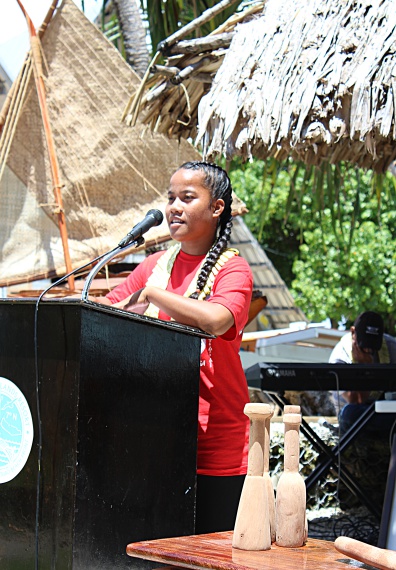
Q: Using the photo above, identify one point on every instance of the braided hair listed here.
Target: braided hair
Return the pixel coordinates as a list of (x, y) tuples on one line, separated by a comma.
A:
[(219, 185)]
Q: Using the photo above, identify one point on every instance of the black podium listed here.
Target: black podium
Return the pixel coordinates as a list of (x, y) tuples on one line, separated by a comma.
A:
[(114, 402)]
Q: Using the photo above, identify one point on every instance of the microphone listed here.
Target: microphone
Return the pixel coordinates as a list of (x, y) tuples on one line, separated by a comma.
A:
[(152, 218)]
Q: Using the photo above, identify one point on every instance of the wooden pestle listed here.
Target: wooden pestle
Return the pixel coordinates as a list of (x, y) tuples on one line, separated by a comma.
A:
[(267, 479), (378, 557), (252, 526), (296, 409), (290, 515), (291, 409)]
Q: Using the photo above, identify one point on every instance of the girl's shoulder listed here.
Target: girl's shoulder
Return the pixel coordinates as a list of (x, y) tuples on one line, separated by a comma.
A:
[(236, 263), (235, 270)]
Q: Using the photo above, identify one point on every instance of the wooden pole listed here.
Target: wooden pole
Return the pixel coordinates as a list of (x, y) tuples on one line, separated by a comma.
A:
[(40, 86), (382, 558)]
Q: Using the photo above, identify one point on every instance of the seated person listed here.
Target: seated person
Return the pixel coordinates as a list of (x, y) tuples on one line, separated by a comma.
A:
[(366, 343)]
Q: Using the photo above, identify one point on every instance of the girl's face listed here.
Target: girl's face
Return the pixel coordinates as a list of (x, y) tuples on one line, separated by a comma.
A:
[(191, 213)]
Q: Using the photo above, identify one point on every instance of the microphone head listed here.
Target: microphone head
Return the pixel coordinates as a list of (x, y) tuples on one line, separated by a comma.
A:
[(157, 215)]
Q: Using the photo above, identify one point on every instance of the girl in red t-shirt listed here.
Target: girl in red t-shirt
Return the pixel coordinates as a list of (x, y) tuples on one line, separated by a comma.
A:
[(201, 283)]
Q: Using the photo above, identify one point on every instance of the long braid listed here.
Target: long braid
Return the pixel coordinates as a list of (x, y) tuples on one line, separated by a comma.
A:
[(217, 182)]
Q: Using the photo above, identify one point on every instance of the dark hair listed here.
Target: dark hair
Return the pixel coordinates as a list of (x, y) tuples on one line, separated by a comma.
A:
[(216, 180)]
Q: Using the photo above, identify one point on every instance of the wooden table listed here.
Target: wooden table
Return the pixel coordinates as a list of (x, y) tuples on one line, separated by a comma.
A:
[(214, 551)]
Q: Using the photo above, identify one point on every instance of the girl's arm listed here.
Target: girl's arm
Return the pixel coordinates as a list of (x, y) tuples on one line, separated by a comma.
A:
[(212, 318)]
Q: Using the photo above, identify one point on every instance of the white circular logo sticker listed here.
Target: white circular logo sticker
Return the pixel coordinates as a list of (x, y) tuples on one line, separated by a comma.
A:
[(16, 430)]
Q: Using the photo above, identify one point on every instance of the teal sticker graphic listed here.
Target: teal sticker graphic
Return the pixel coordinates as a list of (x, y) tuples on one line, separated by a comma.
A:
[(16, 430)]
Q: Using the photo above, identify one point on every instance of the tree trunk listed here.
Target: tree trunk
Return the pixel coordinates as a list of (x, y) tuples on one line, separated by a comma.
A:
[(134, 35)]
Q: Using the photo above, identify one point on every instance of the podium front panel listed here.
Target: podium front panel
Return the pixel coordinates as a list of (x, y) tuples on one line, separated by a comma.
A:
[(114, 404)]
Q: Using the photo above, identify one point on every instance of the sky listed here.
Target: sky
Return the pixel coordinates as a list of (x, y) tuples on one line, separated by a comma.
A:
[(14, 37)]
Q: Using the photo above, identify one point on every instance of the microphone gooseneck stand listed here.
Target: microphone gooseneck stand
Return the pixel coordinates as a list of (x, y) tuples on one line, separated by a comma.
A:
[(106, 259)]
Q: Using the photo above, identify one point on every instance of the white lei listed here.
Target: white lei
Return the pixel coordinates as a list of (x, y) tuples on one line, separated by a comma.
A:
[(162, 271)]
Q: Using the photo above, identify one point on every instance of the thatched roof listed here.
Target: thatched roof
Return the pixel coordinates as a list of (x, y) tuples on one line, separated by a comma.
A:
[(310, 79)]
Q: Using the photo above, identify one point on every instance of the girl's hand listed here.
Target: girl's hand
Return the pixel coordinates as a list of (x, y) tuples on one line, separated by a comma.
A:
[(137, 303)]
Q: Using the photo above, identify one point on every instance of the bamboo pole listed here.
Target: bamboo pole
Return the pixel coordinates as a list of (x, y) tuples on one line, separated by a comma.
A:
[(197, 46), (56, 183), (47, 18), (6, 105), (14, 106)]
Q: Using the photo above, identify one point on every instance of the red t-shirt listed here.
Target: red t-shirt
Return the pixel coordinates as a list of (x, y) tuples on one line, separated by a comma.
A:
[(223, 432)]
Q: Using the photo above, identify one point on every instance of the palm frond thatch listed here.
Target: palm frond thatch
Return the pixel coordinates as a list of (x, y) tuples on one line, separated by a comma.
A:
[(314, 80), (172, 94)]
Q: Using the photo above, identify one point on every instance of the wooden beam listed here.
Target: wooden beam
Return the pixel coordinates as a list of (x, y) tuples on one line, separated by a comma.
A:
[(200, 45), (55, 174)]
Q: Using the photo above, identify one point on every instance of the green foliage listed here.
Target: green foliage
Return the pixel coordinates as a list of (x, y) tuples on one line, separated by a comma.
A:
[(111, 29), (330, 232), (334, 282), (276, 217)]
